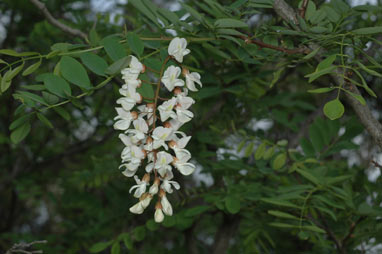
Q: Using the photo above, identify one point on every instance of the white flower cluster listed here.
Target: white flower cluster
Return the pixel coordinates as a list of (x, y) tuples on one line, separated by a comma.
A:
[(158, 149)]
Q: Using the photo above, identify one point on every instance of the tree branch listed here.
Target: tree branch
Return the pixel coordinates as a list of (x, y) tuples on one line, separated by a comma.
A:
[(56, 23), (364, 114), (269, 46), (303, 8), (21, 248)]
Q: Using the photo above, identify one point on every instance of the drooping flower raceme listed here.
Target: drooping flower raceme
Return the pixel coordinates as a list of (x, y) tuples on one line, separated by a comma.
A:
[(154, 146)]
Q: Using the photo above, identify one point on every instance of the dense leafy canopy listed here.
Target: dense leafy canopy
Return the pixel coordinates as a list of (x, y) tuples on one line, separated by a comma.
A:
[(285, 136)]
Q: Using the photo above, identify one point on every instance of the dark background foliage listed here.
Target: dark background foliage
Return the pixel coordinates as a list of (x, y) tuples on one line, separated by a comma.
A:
[(275, 175)]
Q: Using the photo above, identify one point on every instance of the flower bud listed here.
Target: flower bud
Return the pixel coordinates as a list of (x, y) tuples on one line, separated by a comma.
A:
[(158, 215), (134, 115), (162, 193), (167, 125), (172, 144), (177, 91), (185, 71), (143, 68), (137, 208), (146, 178)]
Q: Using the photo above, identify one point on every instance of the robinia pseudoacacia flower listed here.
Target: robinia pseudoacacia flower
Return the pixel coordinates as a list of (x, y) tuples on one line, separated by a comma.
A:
[(155, 146)]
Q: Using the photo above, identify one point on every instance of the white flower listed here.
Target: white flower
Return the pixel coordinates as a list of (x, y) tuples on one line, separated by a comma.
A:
[(147, 112), (162, 162), (126, 140), (166, 109), (184, 115), (131, 97), (191, 79), (182, 154), (170, 78), (160, 135), (140, 187), (175, 124), (124, 119), (130, 168), (184, 102), (177, 48), (158, 215), (185, 168), (146, 200), (167, 208), (140, 130), (181, 161), (180, 142), (166, 185), (129, 74), (137, 208), (135, 65)]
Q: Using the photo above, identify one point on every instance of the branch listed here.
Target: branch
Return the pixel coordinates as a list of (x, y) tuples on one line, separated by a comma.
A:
[(303, 8), (56, 23), (364, 114), (21, 248), (351, 230), (286, 12), (224, 234), (269, 46)]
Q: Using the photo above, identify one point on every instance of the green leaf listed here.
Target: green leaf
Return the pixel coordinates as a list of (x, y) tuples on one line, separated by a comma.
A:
[(11, 52), (146, 90), (5, 84), (33, 97), (279, 161), (269, 153), (113, 48), (194, 211), (282, 214), (19, 121), (32, 68), (358, 97), (98, 247), (322, 90), (368, 30), (312, 54), (118, 65), (44, 120), (221, 23), (230, 32), (152, 225), (50, 98), (74, 72), (314, 229), (193, 12), (116, 248), (315, 75), (232, 204), (260, 151), (146, 11), (94, 63), (308, 176), (282, 225), (334, 109), (62, 112), (248, 150), (316, 138), (327, 62), (20, 133), (135, 43), (279, 202), (93, 37), (57, 85), (332, 15), (139, 233), (371, 72), (128, 242)]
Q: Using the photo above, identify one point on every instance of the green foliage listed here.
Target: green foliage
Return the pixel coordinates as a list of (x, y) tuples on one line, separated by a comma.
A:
[(270, 128)]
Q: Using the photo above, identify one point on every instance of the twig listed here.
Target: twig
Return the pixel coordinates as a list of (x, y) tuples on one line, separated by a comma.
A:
[(269, 46), (351, 230), (376, 164), (303, 8), (55, 22)]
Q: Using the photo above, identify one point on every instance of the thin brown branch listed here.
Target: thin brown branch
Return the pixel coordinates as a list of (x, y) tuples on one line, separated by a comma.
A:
[(351, 230), (69, 30), (269, 46), (303, 8)]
